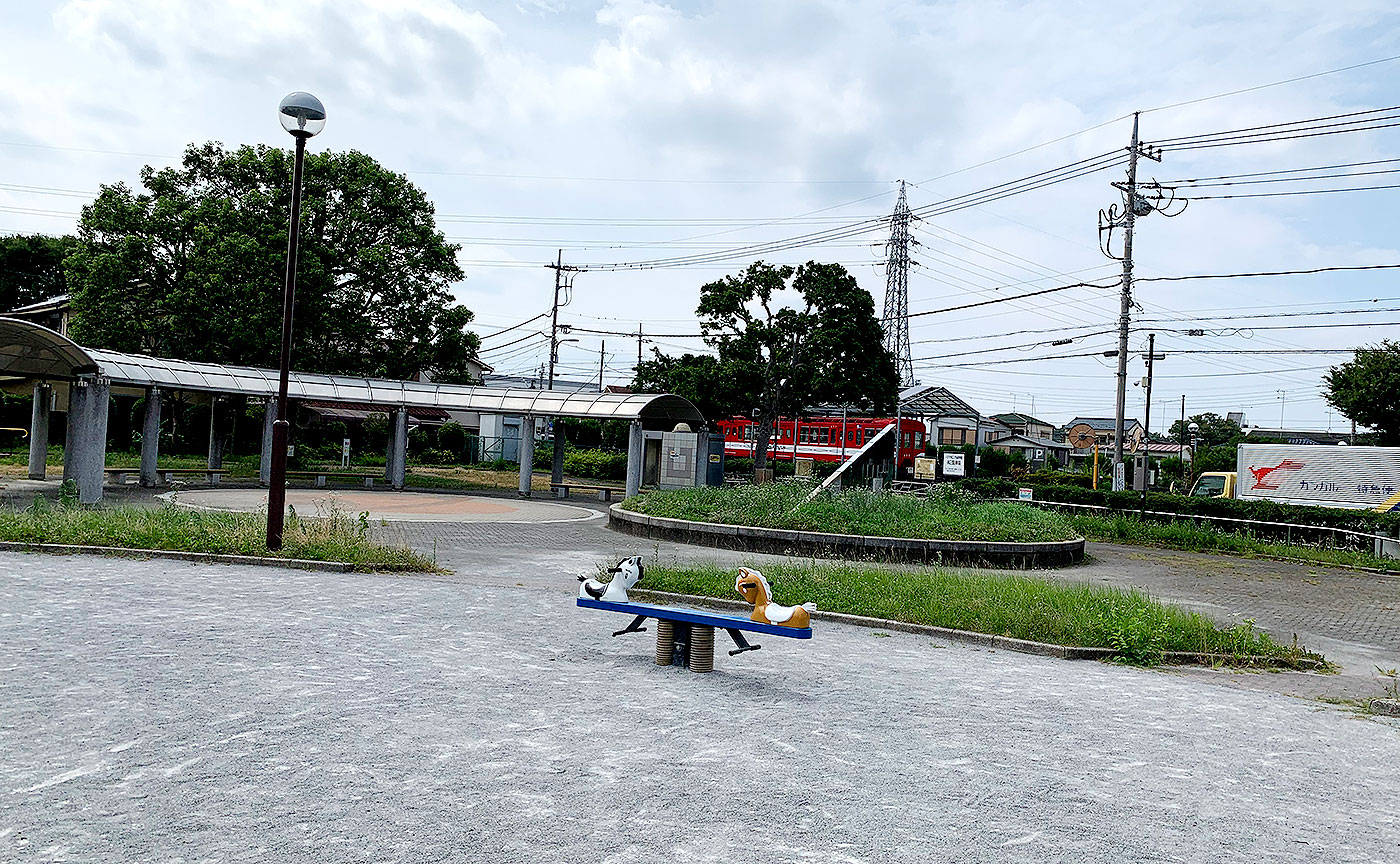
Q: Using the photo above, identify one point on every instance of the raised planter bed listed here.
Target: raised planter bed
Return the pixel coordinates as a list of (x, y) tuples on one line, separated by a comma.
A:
[(971, 553)]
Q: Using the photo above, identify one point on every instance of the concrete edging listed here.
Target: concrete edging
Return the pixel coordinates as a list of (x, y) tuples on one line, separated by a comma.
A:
[(744, 538), (196, 557)]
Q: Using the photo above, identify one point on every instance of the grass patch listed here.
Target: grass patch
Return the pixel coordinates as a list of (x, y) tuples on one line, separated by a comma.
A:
[(950, 514), (332, 537), (1190, 536), (1138, 629)]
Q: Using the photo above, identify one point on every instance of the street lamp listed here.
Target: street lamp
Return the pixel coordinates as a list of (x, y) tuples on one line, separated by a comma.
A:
[(303, 116)]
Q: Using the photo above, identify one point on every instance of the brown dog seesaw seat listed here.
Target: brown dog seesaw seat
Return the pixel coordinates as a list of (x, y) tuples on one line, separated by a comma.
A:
[(686, 637)]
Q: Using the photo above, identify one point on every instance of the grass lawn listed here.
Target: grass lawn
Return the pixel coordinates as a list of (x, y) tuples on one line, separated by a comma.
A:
[(336, 537), (1138, 628), (950, 515)]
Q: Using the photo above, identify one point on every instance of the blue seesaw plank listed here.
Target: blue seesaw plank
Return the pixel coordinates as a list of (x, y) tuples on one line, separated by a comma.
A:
[(697, 616)]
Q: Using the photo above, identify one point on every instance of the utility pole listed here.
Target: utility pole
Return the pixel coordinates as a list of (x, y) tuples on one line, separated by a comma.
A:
[(559, 271), (639, 345), (1282, 400), (896, 317), (1147, 421), (1134, 205), (602, 346)]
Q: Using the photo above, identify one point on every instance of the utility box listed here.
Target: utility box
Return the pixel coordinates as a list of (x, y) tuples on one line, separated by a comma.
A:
[(678, 460), (714, 460)]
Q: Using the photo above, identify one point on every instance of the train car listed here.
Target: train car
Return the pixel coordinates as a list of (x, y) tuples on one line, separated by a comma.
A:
[(823, 439)]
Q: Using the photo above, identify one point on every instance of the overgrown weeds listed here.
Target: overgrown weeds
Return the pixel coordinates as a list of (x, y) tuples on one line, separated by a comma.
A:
[(950, 514), (332, 535), (1139, 630)]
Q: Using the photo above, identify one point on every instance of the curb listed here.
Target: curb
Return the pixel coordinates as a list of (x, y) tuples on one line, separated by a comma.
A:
[(1388, 707), (197, 557), (745, 538), (982, 640)]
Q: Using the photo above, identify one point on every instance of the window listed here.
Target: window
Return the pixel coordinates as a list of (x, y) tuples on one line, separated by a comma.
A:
[(806, 434), (849, 434), (952, 436), (918, 439), (823, 436)]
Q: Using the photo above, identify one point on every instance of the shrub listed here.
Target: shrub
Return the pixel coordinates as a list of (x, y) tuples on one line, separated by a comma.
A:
[(452, 437), (595, 464)]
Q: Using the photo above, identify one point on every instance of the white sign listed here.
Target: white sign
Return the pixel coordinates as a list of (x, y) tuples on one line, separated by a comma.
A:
[(954, 464), (345, 453), (1119, 475), (1023, 494), (924, 468)]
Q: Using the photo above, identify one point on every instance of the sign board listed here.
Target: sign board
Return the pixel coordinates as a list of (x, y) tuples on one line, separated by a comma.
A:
[(1023, 494), (714, 458), (1039, 455), (345, 453), (925, 468), (1119, 475), (954, 464)]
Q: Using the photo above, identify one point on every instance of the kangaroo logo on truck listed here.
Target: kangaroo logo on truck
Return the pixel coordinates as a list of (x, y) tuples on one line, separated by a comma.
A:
[(1261, 474)]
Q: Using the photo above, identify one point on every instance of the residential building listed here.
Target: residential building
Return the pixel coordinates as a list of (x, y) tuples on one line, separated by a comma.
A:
[(1037, 451), (1025, 424)]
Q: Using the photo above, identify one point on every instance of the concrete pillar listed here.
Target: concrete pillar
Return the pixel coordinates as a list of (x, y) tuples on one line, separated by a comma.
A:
[(85, 448), (634, 458), (39, 432), (556, 474), (527, 453), (216, 438), (150, 439), (396, 459), (265, 469)]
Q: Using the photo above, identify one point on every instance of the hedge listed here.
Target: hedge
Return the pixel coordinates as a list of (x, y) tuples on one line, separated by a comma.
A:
[(1365, 521), (595, 464)]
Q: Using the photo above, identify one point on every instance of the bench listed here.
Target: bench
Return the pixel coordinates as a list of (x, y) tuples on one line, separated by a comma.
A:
[(321, 477), (686, 637), (165, 475), (604, 493)]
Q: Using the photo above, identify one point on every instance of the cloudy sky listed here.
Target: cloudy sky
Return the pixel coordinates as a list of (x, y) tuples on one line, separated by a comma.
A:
[(630, 131)]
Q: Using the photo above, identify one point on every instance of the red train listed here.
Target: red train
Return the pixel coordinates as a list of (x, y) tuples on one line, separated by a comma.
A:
[(820, 438)]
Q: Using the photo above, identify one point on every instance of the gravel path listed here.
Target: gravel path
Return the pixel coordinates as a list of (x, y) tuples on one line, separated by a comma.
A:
[(161, 711)]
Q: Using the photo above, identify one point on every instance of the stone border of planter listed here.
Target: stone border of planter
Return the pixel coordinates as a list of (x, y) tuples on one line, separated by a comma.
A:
[(744, 538)]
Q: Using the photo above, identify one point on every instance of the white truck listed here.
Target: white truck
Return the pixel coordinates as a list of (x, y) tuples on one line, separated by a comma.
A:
[(1324, 476)]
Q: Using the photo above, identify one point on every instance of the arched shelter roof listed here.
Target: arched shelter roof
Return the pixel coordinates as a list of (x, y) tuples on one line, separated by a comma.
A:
[(28, 350)]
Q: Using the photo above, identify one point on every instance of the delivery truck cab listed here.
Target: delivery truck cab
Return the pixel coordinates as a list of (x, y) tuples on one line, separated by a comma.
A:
[(1214, 484)]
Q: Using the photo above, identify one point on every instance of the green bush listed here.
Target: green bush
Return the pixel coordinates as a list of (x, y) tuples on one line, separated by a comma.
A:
[(595, 464), (452, 437)]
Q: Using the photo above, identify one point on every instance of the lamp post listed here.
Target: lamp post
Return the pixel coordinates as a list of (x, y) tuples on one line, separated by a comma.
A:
[(303, 116)]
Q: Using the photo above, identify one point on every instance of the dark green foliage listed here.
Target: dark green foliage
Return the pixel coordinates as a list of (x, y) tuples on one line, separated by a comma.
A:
[(1213, 430), (452, 437), (993, 463), (31, 268), (719, 389), (1366, 389), (595, 464), (192, 267), (828, 348)]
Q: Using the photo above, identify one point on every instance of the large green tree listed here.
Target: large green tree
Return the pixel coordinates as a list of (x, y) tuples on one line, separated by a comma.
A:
[(1366, 389), (31, 268), (192, 267), (1212, 430), (718, 389), (799, 337)]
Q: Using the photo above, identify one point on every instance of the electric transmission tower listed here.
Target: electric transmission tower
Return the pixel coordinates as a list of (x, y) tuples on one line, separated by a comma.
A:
[(896, 317)]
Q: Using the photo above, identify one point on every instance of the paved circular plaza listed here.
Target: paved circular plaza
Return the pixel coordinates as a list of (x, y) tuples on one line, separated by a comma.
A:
[(389, 506), (165, 711)]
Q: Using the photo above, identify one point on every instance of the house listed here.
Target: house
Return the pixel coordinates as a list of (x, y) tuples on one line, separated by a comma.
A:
[(51, 313), (1025, 424), (1037, 451)]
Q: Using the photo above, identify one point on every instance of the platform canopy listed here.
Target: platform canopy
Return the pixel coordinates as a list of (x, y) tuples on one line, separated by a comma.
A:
[(30, 351)]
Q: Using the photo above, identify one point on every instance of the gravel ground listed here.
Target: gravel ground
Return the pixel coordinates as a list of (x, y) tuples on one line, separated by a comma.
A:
[(162, 711)]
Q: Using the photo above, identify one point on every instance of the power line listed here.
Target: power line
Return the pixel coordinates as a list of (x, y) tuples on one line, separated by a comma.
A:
[(1290, 193), (1008, 299), (1269, 273)]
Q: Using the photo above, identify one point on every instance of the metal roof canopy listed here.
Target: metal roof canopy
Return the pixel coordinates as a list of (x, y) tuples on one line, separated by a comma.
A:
[(30, 351), (929, 400)]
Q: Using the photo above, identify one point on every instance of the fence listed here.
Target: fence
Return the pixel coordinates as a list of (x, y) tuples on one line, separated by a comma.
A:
[(1381, 545)]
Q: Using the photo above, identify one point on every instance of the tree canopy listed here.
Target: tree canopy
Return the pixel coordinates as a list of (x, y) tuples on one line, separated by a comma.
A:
[(1366, 390), (825, 347), (31, 268), (192, 267), (1214, 430)]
